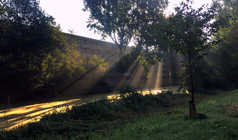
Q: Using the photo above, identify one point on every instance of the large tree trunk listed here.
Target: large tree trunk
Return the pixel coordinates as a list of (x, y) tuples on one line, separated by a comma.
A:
[(192, 110), (191, 103)]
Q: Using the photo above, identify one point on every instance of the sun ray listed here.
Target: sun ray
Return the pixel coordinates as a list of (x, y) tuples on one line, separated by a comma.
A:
[(158, 80), (87, 80), (137, 76), (149, 80), (127, 76)]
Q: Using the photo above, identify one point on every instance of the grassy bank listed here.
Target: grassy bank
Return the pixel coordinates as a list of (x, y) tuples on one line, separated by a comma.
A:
[(221, 124), (137, 117)]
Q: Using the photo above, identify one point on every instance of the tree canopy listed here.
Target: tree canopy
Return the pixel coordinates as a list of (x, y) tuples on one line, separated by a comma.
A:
[(36, 58), (225, 56), (121, 19)]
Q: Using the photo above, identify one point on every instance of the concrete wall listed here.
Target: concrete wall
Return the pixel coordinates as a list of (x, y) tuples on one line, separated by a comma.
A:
[(88, 48), (161, 74)]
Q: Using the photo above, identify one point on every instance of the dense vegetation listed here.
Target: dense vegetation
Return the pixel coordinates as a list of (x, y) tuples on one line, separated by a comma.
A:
[(224, 54), (123, 20), (36, 58)]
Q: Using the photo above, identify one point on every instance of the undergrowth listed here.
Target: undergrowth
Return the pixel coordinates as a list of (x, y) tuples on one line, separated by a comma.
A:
[(99, 117)]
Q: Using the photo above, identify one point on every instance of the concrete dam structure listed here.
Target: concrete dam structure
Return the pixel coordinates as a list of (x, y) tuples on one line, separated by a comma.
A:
[(163, 73)]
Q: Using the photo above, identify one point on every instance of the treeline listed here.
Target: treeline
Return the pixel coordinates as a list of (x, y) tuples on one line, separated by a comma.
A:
[(36, 58), (219, 68), (225, 56)]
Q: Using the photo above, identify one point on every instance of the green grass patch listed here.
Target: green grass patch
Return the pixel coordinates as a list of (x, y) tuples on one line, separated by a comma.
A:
[(219, 125)]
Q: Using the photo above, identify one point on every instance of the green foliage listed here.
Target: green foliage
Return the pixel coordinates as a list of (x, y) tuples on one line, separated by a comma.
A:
[(149, 103), (27, 35), (134, 101), (188, 32), (206, 80), (100, 63), (145, 62), (225, 51), (35, 56), (126, 91), (23, 25), (121, 19)]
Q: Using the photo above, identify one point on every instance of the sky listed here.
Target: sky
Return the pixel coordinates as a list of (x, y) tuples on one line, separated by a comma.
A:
[(70, 16)]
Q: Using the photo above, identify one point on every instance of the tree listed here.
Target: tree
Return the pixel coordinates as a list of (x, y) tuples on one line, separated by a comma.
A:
[(35, 56), (188, 32), (26, 36), (225, 56), (121, 19)]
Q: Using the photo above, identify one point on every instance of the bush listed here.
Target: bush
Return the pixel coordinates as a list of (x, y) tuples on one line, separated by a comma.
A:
[(139, 103)]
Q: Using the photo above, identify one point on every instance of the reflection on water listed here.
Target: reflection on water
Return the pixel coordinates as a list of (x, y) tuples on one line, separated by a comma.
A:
[(14, 117)]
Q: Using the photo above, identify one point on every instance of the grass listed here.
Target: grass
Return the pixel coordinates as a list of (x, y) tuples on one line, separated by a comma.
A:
[(220, 125), (137, 117)]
